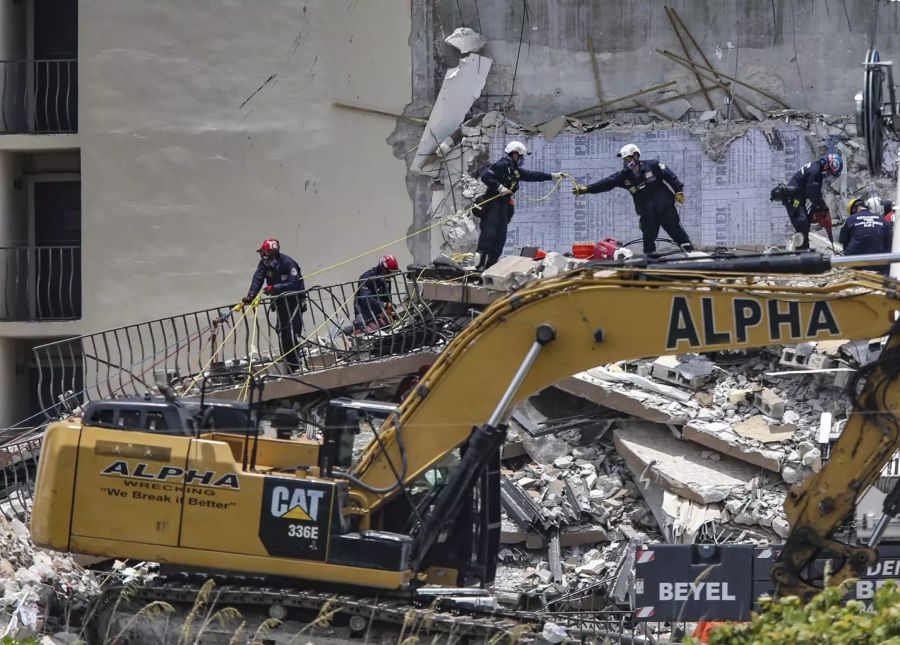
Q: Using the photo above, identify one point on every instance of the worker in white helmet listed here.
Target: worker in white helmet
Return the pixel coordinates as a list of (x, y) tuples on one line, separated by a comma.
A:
[(502, 179), (654, 200)]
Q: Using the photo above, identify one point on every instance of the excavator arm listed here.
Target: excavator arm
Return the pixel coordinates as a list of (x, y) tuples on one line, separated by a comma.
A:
[(599, 316)]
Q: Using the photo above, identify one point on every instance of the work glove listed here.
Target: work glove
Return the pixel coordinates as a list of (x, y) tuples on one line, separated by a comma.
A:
[(504, 190), (579, 190), (268, 289), (557, 176), (679, 197), (246, 300)]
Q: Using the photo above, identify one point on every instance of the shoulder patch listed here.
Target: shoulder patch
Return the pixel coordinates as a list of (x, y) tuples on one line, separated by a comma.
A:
[(294, 271), (662, 166)]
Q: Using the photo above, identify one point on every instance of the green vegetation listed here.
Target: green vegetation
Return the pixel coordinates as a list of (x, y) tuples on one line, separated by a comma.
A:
[(824, 621)]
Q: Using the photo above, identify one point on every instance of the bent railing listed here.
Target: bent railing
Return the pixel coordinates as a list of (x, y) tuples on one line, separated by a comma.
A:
[(337, 326)]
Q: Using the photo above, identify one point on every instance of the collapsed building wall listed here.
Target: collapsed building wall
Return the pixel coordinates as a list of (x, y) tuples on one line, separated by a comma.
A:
[(728, 170), (549, 60)]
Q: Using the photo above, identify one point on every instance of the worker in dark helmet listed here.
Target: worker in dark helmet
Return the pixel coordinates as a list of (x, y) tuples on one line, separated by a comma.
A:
[(655, 188), (372, 304), (502, 180), (284, 281), (806, 185), (864, 232)]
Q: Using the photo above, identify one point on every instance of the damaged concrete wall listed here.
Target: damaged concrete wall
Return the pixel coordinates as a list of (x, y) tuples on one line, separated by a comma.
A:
[(726, 201), (206, 127), (805, 52)]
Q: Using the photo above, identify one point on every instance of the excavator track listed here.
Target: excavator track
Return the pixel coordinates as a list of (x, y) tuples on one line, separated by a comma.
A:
[(247, 593)]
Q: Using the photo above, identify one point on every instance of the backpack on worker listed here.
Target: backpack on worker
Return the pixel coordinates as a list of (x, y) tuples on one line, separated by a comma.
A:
[(781, 193)]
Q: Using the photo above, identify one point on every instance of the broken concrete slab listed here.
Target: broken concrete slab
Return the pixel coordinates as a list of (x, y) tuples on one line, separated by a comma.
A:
[(719, 436), (553, 127), (612, 375), (651, 452), (440, 291), (756, 427), (462, 85), (466, 40), (674, 109), (510, 272), (638, 404)]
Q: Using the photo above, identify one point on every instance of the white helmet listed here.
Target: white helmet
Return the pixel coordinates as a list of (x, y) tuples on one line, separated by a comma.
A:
[(516, 146), (875, 206), (629, 149)]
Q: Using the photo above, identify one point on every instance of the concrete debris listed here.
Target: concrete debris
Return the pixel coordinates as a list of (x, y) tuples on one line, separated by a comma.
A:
[(466, 40), (678, 450), (462, 85), (509, 273), (769, 403), (686, 371), (32, 581)]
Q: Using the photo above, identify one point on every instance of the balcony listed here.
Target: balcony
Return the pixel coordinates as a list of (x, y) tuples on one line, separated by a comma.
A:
[(41, 283), (39, 96)]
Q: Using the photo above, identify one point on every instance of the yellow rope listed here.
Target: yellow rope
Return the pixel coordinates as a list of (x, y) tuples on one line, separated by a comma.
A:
[(435, 224), (306, 336), (236, 308), (245, 389)]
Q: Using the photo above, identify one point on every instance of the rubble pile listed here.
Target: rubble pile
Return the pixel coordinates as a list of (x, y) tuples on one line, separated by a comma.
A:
[(36, 583), (688, 449)]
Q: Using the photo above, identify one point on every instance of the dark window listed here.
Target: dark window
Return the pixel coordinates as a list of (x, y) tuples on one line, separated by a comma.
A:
[(156, 422), (102, 416), (130, 419)]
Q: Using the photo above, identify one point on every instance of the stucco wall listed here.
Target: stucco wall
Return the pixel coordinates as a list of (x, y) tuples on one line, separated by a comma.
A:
[(184, 173)]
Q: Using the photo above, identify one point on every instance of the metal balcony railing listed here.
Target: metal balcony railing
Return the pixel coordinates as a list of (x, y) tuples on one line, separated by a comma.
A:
[(127, 360), (39, 96), (40, 283)]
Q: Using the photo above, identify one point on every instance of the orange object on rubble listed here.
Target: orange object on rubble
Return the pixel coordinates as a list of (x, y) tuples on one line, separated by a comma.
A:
[(704, 627), (583, 250)]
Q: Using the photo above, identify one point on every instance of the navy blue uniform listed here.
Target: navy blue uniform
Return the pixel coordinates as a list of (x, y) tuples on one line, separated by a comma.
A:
[(865, 232), (806, 184), (654, 202), (498, 212), (372, 294), (286, 280)]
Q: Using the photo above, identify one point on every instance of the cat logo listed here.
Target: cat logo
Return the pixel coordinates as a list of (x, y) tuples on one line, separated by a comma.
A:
[(296, 504)]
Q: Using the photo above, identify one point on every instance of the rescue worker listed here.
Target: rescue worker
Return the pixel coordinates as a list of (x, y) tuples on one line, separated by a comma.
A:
[(654, 201), (372, 303), (865, 232), (806, 184), (284, 281), (875, 205), (502, 180)]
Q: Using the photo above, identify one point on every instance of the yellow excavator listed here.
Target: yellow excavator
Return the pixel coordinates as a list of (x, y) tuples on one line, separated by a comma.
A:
[(192, 482)]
